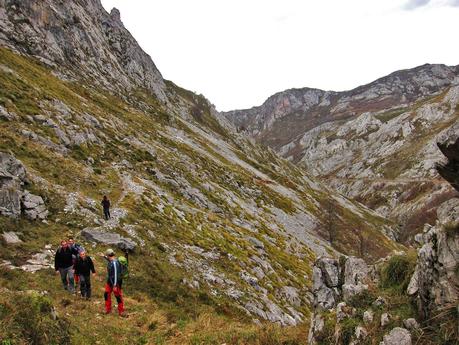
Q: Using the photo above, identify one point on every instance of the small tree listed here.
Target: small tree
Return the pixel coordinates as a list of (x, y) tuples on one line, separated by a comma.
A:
[(360, 243), (330, 220)]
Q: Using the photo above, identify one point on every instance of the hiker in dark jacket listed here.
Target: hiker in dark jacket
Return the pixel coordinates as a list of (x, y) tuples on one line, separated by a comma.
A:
[(83, 268), (114, 282), (75, 248), (63, 264), (106, 205)]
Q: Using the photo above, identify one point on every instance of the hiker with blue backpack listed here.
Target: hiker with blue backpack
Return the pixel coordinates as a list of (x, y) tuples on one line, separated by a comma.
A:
[(75, 249), (116, 270)]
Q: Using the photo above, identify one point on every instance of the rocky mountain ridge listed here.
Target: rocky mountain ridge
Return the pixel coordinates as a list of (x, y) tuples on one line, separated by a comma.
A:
[(376, 143), (286, 116), (82, 40)]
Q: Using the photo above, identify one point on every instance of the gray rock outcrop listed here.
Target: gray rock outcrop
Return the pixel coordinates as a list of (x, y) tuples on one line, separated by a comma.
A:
[(326, 273), (448, 144), (355, 273), (12, 177), (435, 282), (33, 206), (331, 281), (13, 198), (81, 37), (11, 237)]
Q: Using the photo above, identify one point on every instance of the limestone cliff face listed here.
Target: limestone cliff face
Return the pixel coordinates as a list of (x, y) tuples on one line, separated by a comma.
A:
[(376, 143), (449, 146), (288, 115), (81, 41), (435, 282)]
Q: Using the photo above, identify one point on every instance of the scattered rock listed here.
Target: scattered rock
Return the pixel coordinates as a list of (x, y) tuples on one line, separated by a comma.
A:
[(11, 238), (5, 115), (341, 313), (291, 295), (385, 319), (397, 336), (249, 279), (360, 333), (256, 243), (411, 324), (368, 317), (380, 301)]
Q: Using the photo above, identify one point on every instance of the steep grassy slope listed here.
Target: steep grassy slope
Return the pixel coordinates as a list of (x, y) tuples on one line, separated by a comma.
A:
[(222, 226)]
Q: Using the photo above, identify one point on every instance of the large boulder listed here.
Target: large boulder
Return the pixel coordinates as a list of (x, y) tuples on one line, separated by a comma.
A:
[(334, 281), (108, 238), (12, 176), (33, 206), (10, 201), (355, 275), (330, 270), (325, 283), (13, 199), (11, 168)]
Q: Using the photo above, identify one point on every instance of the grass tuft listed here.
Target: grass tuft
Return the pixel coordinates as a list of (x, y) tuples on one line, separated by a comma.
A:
[(397, 272)]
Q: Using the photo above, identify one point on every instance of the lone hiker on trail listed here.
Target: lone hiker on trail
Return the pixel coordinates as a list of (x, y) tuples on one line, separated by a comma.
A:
[(83, 268), (106, 205), (114, 282), (63, 264)]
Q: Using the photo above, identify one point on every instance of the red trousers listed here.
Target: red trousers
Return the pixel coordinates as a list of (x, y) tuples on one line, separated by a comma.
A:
[(108, 298)]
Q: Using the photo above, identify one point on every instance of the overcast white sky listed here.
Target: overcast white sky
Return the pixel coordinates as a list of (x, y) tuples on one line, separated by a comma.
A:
[(239, 52)]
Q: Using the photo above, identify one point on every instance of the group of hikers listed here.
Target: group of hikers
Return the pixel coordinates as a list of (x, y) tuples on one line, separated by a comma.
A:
[(76, 267)]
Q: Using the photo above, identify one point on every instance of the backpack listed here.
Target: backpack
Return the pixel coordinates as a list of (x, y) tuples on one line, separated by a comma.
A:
[(79, 248), (124, 267)]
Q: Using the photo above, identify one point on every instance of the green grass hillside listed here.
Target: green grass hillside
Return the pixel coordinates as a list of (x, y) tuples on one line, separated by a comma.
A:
[(222, 226)]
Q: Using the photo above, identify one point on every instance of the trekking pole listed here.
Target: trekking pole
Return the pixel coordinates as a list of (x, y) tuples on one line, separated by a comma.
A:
[(126, 253)]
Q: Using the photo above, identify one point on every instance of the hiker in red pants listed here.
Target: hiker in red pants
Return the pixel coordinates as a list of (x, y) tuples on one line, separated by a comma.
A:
[(114, 282)]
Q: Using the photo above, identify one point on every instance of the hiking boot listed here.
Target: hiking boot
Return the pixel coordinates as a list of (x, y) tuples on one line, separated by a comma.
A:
[(124, 315)]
